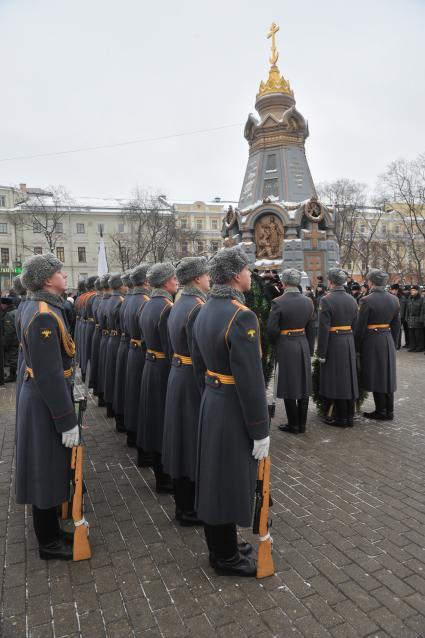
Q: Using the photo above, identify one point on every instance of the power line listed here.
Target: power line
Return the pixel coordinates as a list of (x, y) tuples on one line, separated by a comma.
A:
[(118, 144)]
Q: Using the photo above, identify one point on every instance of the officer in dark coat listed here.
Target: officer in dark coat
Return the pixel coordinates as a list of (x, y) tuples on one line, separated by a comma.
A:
[(413, 316), (183, 395), (113, 343), (81, 289), (122, 354), (377, 332), (291, 326), (153, 325), (97, 335), (103, 327), (47, 422), (90, 324), (403, 314), (234, 421), (8, 312), (85, 324), (336, 351), (136, 356)]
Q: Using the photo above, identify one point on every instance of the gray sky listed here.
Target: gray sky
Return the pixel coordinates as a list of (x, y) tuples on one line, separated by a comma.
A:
[(91, 72)]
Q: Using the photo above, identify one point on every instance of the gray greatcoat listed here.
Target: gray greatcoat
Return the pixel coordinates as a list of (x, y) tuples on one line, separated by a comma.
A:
[(153, 325), (20, 369), (103, 326), (113, 343), (226, 341), (87, 329), (377, 346), (122, 355), (95, 344), (183, 395), (136, 357), (292, 310), (338, 376), (46, 409)]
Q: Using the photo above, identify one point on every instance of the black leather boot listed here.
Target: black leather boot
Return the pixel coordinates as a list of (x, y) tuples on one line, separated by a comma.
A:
[(302, 405), (144, 459), (187, 518), (293, 418), (119, 423), (131, 438), (109, 411), (245, 549), (100, 401), (57, 550), (237, 565)]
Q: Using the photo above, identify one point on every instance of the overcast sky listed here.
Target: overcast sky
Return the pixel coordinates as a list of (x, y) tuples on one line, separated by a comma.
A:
[(93, 72)]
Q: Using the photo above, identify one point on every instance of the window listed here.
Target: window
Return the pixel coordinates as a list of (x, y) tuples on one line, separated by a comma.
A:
[(199, 224), (59, 228), (60, 253), (214, 224), (36, 227), (271, 164), (81, 254), (200, 246), (397, 230), (2, 201), (83, 275), (185, 247), (384, 228), (101, 228), (271, 188), (214, 246), (3, 228), (80, 229), (38, 250), (120, 228), (183, 223), (362, 228), (4, 256)]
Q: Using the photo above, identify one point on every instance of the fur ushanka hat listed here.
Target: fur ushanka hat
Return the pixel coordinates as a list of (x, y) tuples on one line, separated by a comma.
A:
[(337, 276), (159, 273), (190, 267), (139, 274), (227, 263), (37, 269)]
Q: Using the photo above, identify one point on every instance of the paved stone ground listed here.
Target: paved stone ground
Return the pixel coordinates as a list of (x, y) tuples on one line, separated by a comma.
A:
[(348, 528)]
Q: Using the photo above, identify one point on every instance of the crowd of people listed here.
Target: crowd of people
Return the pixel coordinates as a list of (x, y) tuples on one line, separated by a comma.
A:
[(173, 355)]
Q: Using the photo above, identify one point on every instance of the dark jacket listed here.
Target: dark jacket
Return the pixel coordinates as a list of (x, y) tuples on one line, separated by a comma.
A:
[(377, 345), (338, 376), (293, 350), (153, 324), (95, 344), (103, 326), (226, 341), (46, 407), (183, 395), (112, 344), (414, 310), (136, 357), (122, 355)]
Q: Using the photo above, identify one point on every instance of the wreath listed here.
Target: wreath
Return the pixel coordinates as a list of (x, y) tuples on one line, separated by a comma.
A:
[(319, 400), (256, 301)]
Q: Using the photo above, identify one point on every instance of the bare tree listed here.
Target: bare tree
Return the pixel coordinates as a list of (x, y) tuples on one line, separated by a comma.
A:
[(345, 197), (402, 187), (43, 212), (365, 247), (153, 233)]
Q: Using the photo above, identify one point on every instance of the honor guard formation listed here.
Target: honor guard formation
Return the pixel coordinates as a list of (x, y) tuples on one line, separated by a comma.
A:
[(173, 354)]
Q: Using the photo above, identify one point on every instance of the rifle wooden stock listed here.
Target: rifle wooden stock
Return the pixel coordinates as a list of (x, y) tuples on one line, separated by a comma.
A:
[(81, 549), (265, 566)]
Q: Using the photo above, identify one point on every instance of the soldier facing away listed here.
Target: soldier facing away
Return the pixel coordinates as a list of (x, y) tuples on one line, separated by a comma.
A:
[(291, 327), (336, 351), (377, 334), (234, 421), (47, 422), (183, 395)]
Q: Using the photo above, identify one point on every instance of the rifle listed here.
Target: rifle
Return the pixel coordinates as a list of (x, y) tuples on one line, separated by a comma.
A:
[(261, 524), (74, 508)]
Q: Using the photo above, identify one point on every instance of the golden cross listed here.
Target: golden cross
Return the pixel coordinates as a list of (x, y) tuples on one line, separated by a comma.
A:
[(315, 234), (272, 34)]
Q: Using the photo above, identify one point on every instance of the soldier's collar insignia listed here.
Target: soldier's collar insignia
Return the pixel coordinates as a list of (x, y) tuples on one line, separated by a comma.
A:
[(46, 333), (251, 333)]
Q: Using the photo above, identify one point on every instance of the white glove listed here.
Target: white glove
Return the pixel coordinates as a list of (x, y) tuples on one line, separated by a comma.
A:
[(71, 438), (321, 360), (261, 448)]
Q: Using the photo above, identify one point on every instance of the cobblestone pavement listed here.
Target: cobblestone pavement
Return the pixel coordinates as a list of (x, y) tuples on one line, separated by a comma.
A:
[(348, 529)]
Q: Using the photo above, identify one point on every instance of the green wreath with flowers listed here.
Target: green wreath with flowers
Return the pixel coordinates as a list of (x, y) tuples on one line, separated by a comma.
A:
[(319, 400)]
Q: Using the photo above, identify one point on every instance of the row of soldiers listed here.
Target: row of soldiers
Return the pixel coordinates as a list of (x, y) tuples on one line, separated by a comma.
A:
[(193, 399)]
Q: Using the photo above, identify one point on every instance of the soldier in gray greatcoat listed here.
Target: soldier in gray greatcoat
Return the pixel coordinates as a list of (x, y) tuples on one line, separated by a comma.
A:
[(234, 420), (47, 422), (336, 351), (136, 355), (20, 290), (376, 335), (97, 335), (122, 355), (81, 288), (153, 326), (102, 314), (90, 318), (291, 326), (85, 324), (113, 343), (183, 395)]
